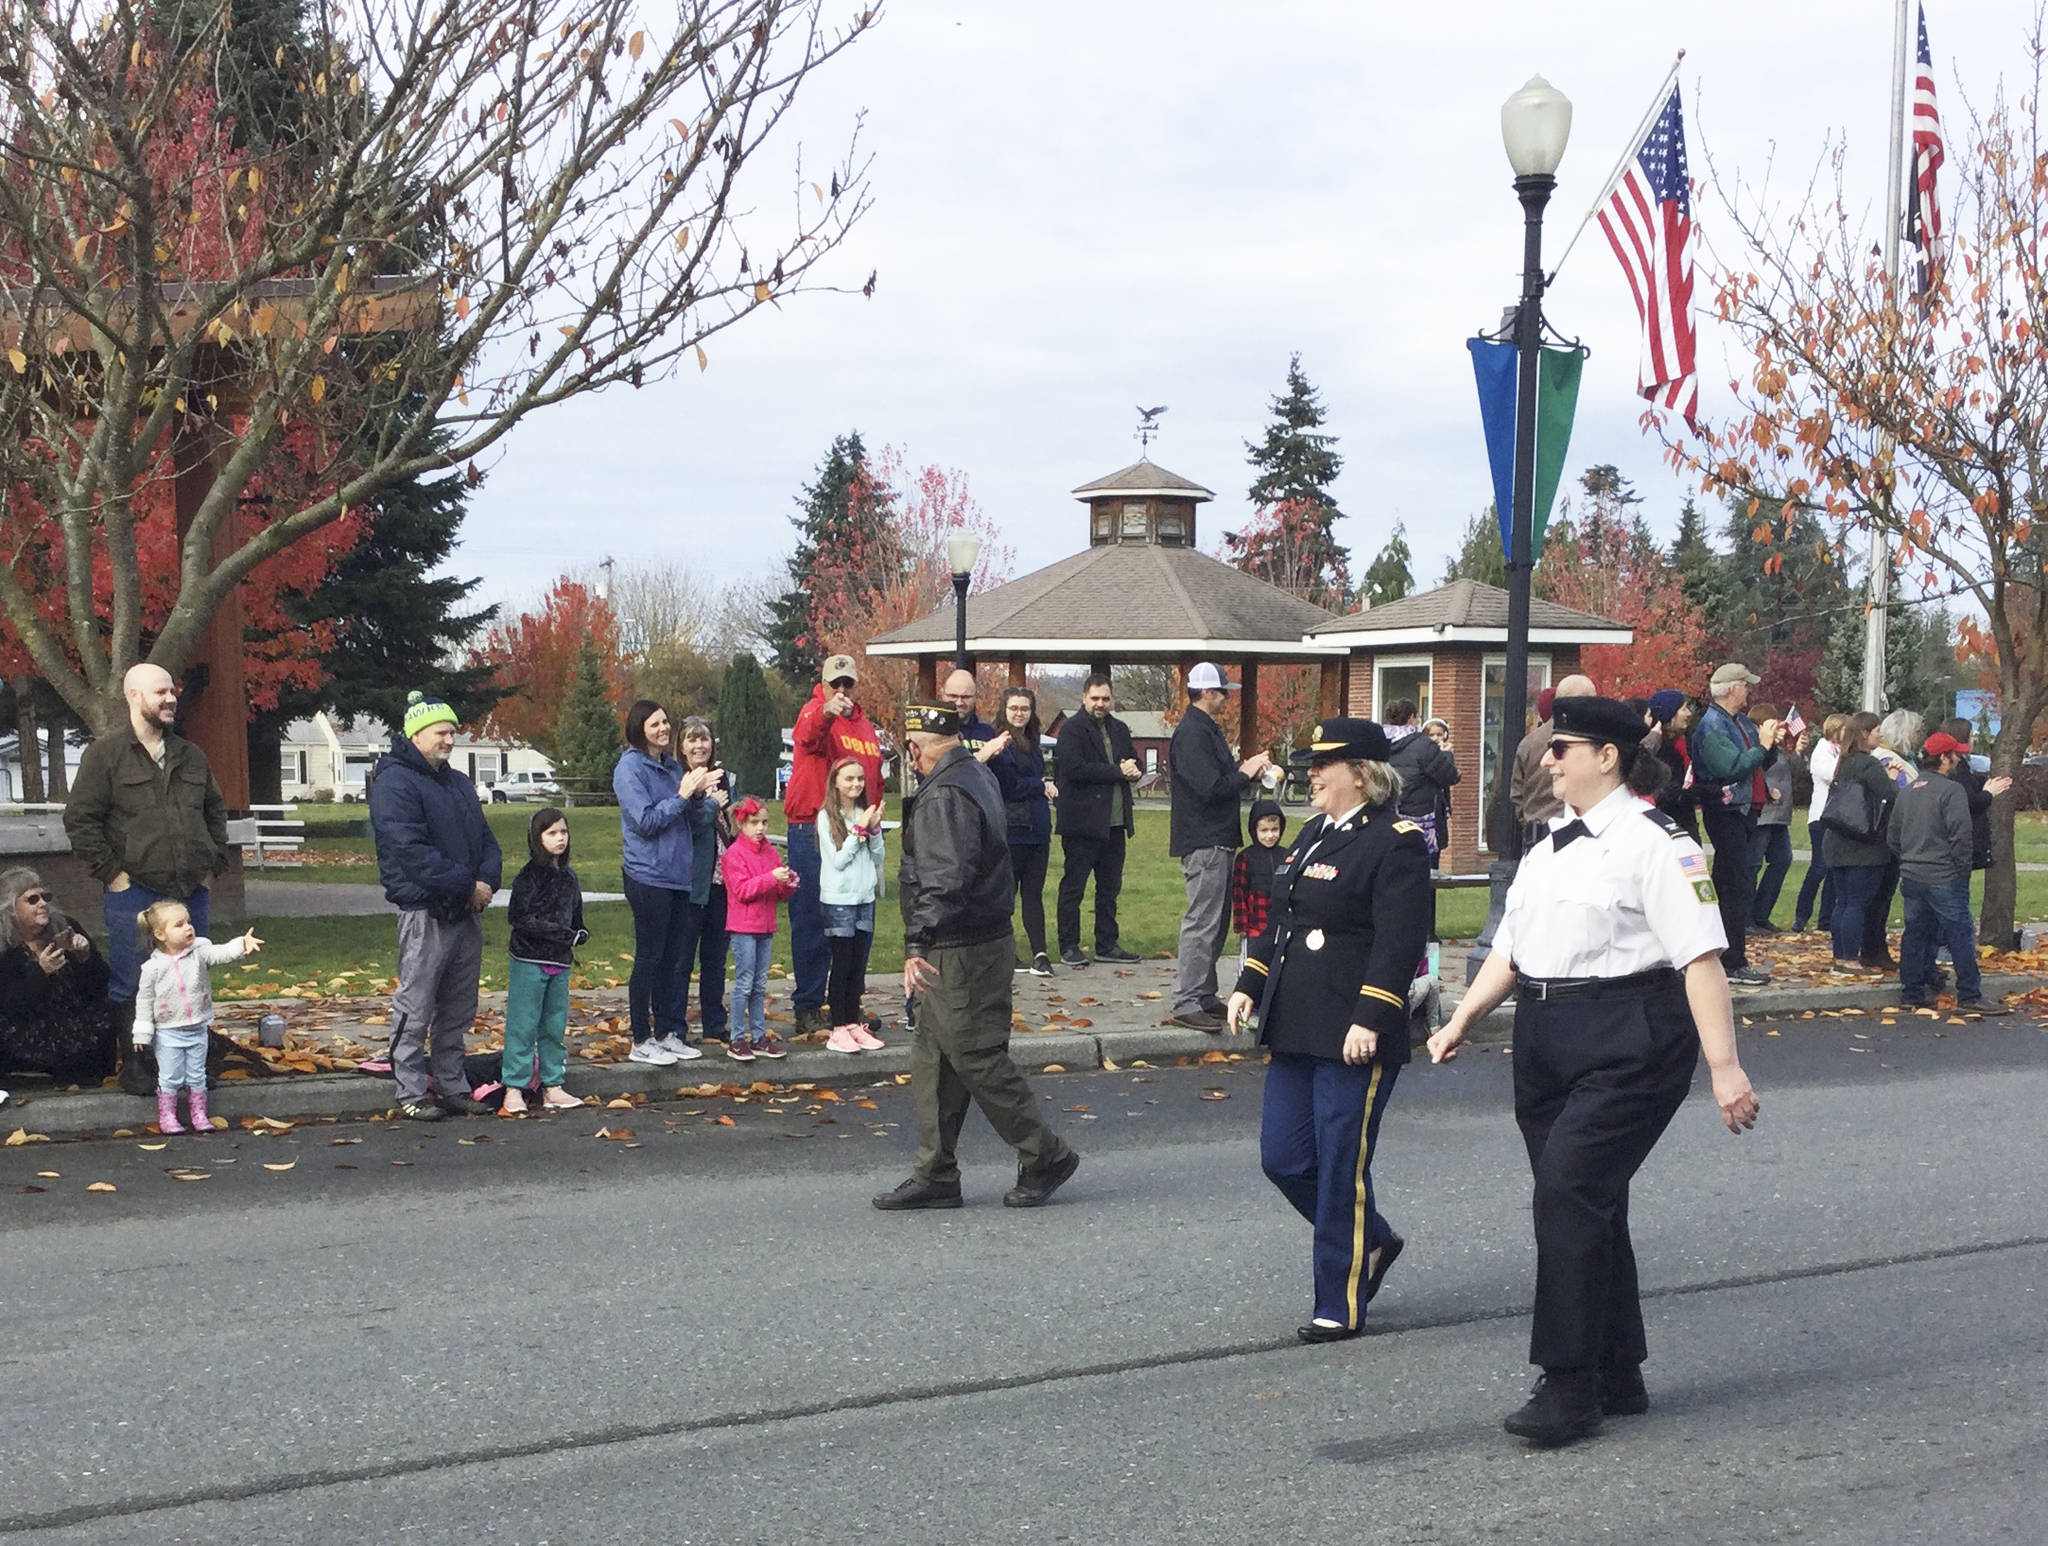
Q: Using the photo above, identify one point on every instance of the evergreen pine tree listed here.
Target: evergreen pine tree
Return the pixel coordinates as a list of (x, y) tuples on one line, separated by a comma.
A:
[(1479, 555), (749, 731), (1391, 576), (825, 515), (587, 737), (1693, 556), (1296, 466)]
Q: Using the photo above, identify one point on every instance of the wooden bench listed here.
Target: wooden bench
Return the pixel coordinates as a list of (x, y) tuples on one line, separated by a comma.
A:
[(275, 833)]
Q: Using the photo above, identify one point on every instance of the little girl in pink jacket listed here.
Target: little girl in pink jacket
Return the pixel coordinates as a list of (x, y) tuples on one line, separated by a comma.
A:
[(757, 882)]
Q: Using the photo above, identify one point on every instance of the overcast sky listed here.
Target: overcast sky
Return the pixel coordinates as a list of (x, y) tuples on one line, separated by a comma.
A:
[(1084, 207)]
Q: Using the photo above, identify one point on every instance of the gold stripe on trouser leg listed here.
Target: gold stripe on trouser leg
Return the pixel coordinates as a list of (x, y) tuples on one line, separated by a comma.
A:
[(1358, 1252)]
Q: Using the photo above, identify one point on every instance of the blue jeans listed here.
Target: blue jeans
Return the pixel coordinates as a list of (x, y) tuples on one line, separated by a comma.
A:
[(664, 937), (125, 955), (181, 1057), (1856, 889), (710, 953), (1938, 914), (1820, 881), (1770, 850), (810, 956), (750, 954)]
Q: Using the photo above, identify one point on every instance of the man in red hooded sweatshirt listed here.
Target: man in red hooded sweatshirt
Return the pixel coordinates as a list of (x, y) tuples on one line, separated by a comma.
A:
[(830, 727)]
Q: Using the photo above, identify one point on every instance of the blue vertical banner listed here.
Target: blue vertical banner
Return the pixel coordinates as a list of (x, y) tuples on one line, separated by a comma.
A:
[(1493, 365)]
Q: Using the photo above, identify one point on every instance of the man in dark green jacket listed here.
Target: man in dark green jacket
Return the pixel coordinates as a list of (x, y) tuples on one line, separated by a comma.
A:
[(146, 817), (1729, 753)]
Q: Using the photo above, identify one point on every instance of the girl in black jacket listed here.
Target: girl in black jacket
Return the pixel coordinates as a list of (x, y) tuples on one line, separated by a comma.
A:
[(547, 926)]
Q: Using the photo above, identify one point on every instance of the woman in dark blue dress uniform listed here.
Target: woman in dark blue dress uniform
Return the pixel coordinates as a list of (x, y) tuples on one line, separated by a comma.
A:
[(1329, 981)]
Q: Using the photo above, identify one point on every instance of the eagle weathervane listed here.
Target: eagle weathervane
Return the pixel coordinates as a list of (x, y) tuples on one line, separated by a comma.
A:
[(1148, 426)]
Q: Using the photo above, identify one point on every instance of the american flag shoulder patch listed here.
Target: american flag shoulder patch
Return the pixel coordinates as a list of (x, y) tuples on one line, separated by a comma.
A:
[(1695, 865)]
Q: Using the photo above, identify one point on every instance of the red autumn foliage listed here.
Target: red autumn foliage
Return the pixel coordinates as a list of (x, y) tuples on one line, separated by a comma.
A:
[(1607, 565), (535, 657)]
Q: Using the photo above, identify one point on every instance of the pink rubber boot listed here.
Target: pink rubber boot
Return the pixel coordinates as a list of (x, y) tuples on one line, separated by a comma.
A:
[(167, 1112), (201, 1122)]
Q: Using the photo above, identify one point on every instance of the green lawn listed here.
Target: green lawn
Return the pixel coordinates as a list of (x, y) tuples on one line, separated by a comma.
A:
[(316, 950)]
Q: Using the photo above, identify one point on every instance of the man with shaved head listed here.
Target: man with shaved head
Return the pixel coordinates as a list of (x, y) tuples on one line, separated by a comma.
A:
[(146, 817)]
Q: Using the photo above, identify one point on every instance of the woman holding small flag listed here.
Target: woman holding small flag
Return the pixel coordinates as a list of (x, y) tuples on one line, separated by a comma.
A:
[(1611, 942)]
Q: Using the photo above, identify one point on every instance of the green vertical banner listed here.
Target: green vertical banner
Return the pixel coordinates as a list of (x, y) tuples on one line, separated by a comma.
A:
[(1557, 400)]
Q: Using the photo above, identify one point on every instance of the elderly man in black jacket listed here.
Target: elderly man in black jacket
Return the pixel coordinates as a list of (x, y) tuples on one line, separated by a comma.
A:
[(1208, 781), (955, 890), (1094, 766)]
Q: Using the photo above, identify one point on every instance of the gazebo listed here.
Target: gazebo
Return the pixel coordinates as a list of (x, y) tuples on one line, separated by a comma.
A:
[(1446, 651), (1140, 593)]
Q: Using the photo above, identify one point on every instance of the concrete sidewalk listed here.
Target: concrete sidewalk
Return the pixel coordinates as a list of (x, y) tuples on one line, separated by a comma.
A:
[(1102, 1017)]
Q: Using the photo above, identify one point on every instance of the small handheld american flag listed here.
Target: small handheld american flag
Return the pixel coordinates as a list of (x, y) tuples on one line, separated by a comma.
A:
[(1648, 221)]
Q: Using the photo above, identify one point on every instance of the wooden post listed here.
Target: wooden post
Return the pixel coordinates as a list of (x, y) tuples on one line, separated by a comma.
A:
[(1330, 697), (928, 678), (1248, 709), (215, 713)]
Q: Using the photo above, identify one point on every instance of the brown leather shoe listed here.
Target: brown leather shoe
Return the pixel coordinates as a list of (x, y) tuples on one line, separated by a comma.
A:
[(914, 1193)]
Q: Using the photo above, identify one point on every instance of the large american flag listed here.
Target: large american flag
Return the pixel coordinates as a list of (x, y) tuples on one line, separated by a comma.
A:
[(1648, 222), (1923, 209)]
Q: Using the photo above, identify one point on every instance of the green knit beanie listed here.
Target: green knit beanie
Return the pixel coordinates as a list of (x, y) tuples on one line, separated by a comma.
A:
[(422, 711)]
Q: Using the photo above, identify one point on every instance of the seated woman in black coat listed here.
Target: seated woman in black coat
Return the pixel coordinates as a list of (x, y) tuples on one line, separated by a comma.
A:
[(54, 1014)]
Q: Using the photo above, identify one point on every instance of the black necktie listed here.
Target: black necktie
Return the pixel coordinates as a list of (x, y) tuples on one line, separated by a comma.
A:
[(1562, 837)]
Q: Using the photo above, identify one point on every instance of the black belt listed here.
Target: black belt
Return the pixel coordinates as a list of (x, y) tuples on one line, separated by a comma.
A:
[(1544, 988)]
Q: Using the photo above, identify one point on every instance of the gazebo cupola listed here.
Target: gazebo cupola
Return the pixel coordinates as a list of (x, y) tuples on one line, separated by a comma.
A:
[(1145, 504)]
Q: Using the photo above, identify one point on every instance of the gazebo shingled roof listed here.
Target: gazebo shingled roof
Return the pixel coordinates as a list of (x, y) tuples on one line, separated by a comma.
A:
[(1471, 611)]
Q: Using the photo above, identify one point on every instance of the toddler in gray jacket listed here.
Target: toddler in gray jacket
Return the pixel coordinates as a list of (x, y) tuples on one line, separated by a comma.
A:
[(174, 1006)]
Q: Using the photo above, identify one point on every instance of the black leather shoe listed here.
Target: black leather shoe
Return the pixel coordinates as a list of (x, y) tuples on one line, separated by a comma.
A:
[(809, 1022), (1564, 1406), (919, 1194), (1622, 1393), (1116, 953), (1034, 1188), (1073, 958), (1379, 1261), (1198, 1020), (1313, 1333), (462, 1105), (1216, 1006)]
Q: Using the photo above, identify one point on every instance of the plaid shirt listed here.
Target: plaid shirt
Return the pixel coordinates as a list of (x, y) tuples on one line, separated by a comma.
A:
[(1249, 902)]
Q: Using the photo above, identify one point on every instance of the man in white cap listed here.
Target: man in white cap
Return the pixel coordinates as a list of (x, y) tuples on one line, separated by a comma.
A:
[(1207, 782)]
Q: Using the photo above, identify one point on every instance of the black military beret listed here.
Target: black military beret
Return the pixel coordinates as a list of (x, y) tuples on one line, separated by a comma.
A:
[(1346, 740), (940, 719), (1598, 719)]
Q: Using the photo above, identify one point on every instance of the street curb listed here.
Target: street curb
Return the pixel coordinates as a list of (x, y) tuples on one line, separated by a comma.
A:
[(358, 1096)]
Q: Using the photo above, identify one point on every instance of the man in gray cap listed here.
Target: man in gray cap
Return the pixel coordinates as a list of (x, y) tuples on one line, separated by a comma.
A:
[(1729, 753), (1207, 782), (955, 890)]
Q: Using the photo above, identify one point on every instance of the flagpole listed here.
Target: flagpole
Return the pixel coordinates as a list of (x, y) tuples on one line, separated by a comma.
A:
[(1635, 143), (1874, 618)]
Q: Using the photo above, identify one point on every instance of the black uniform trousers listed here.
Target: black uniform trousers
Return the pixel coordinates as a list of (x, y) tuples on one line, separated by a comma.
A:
[(1598, 1076), (1317, 1133), (1731, 832), (1103, 858)]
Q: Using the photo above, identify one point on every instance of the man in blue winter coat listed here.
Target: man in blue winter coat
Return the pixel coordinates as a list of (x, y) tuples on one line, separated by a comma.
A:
[(440, 865)]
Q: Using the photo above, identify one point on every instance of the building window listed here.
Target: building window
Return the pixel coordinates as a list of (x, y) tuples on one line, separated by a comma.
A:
[(1134, 520), (1493, 702), (1105, 525), (292, 766), (484, 767), (1397, 677), (1173, 531)]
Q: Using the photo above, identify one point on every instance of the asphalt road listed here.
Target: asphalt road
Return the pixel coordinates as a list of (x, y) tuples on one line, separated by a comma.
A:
[(517, 1332)]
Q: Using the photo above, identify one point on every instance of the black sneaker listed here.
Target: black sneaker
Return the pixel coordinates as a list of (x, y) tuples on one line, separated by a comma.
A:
[(421, 1110), (1040, 966), (1622, 1393), (1073, 958), (1198, 1020), (1766, 927), (1981, 1006), (1915, 1001), (1034, 1189), (1750, 977), (1019, 967), (919, 1194), (464, 1105), (810, 1022), (1115, 953), (1564, 1406)]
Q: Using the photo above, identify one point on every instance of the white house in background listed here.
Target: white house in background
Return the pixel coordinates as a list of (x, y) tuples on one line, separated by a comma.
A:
[(10, 763), (327, 758)]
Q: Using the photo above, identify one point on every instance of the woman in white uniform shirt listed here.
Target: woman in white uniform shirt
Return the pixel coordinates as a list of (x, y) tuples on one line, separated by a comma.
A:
[(1613, 933)]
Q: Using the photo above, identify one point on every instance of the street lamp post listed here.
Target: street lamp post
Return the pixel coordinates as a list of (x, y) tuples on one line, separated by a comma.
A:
[(1535, 123), (962, 549)]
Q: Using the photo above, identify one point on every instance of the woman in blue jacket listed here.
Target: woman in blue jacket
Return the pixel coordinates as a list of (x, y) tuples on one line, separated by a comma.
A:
[(661, 811), (1018, 763)]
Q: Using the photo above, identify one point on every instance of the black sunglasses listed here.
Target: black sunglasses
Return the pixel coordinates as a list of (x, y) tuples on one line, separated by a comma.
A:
[(33, 897), (1559, 746)]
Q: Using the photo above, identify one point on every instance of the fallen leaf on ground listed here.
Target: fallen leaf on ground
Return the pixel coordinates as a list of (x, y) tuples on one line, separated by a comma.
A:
[(620, 1104), (1111, 1064), (725, 1121), (101, 1186), (1213, 1093), (51, 1175), (1073, 1108), (339, 1141), (283, 1165), (1212, 1057), (615, 1133), (1152, 993), (1053, 1068), (868, 1105), (152, 1147), (21, 1136), (265, 1125), (827, 1095)]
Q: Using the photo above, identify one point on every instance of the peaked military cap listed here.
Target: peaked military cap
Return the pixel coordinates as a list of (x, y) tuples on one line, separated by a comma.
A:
[(1345, 740), (1598, 719)]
